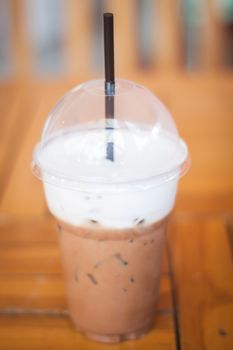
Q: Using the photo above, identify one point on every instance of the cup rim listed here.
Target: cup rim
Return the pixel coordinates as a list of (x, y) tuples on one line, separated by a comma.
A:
[(78, 183)]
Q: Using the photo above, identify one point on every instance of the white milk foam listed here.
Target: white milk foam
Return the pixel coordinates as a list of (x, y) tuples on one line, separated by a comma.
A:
[(137, 155)]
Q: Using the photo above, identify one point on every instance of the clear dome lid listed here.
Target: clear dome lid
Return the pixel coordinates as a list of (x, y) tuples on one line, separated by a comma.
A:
[(93, 138)]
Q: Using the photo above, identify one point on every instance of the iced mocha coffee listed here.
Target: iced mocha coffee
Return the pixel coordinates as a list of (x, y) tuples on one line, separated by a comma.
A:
[(111, 215)]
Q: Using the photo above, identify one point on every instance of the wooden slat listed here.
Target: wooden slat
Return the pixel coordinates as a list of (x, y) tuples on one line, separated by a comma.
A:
[(203, 204), (23, 192), (8, 93), (229, 227), (202, 108), (167, 55), (21, 176), (13, 128), (124, 38), (78, 37), (30, 258), (53, 332), (31, 291), (16, 120), (29, 230), (203, 270), (209, 138), (22, 52), (212, 40)]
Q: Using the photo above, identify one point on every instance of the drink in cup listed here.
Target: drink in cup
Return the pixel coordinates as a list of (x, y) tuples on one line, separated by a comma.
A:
[(111, 213)]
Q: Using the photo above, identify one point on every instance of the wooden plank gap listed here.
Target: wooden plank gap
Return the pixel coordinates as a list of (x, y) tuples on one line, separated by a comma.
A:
[(173, 292)]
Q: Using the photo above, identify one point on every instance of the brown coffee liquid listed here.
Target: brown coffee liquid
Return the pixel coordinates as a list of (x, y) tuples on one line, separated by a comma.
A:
[(112, 278)]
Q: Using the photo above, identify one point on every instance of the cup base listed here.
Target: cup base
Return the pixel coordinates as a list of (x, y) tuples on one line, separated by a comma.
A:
[(116, 338)]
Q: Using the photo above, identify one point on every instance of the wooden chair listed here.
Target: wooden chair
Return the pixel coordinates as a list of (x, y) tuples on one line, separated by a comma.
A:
[(151, 34)]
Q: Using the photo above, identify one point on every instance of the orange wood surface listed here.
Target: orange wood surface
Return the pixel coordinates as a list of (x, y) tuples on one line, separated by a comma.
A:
[(195, 306), (203, 270)]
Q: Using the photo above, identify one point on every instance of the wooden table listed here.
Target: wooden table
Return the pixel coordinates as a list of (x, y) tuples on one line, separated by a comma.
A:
[(195, 306)]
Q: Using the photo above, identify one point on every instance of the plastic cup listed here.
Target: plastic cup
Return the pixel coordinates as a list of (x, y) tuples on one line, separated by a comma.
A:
[(111, 215)]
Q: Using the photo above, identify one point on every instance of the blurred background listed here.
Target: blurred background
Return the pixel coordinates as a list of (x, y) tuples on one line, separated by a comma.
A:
[(183, 51), (64, 38)]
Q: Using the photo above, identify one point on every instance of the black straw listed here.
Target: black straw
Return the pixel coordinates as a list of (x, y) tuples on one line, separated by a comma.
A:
[(109, 80), (109, 48)]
